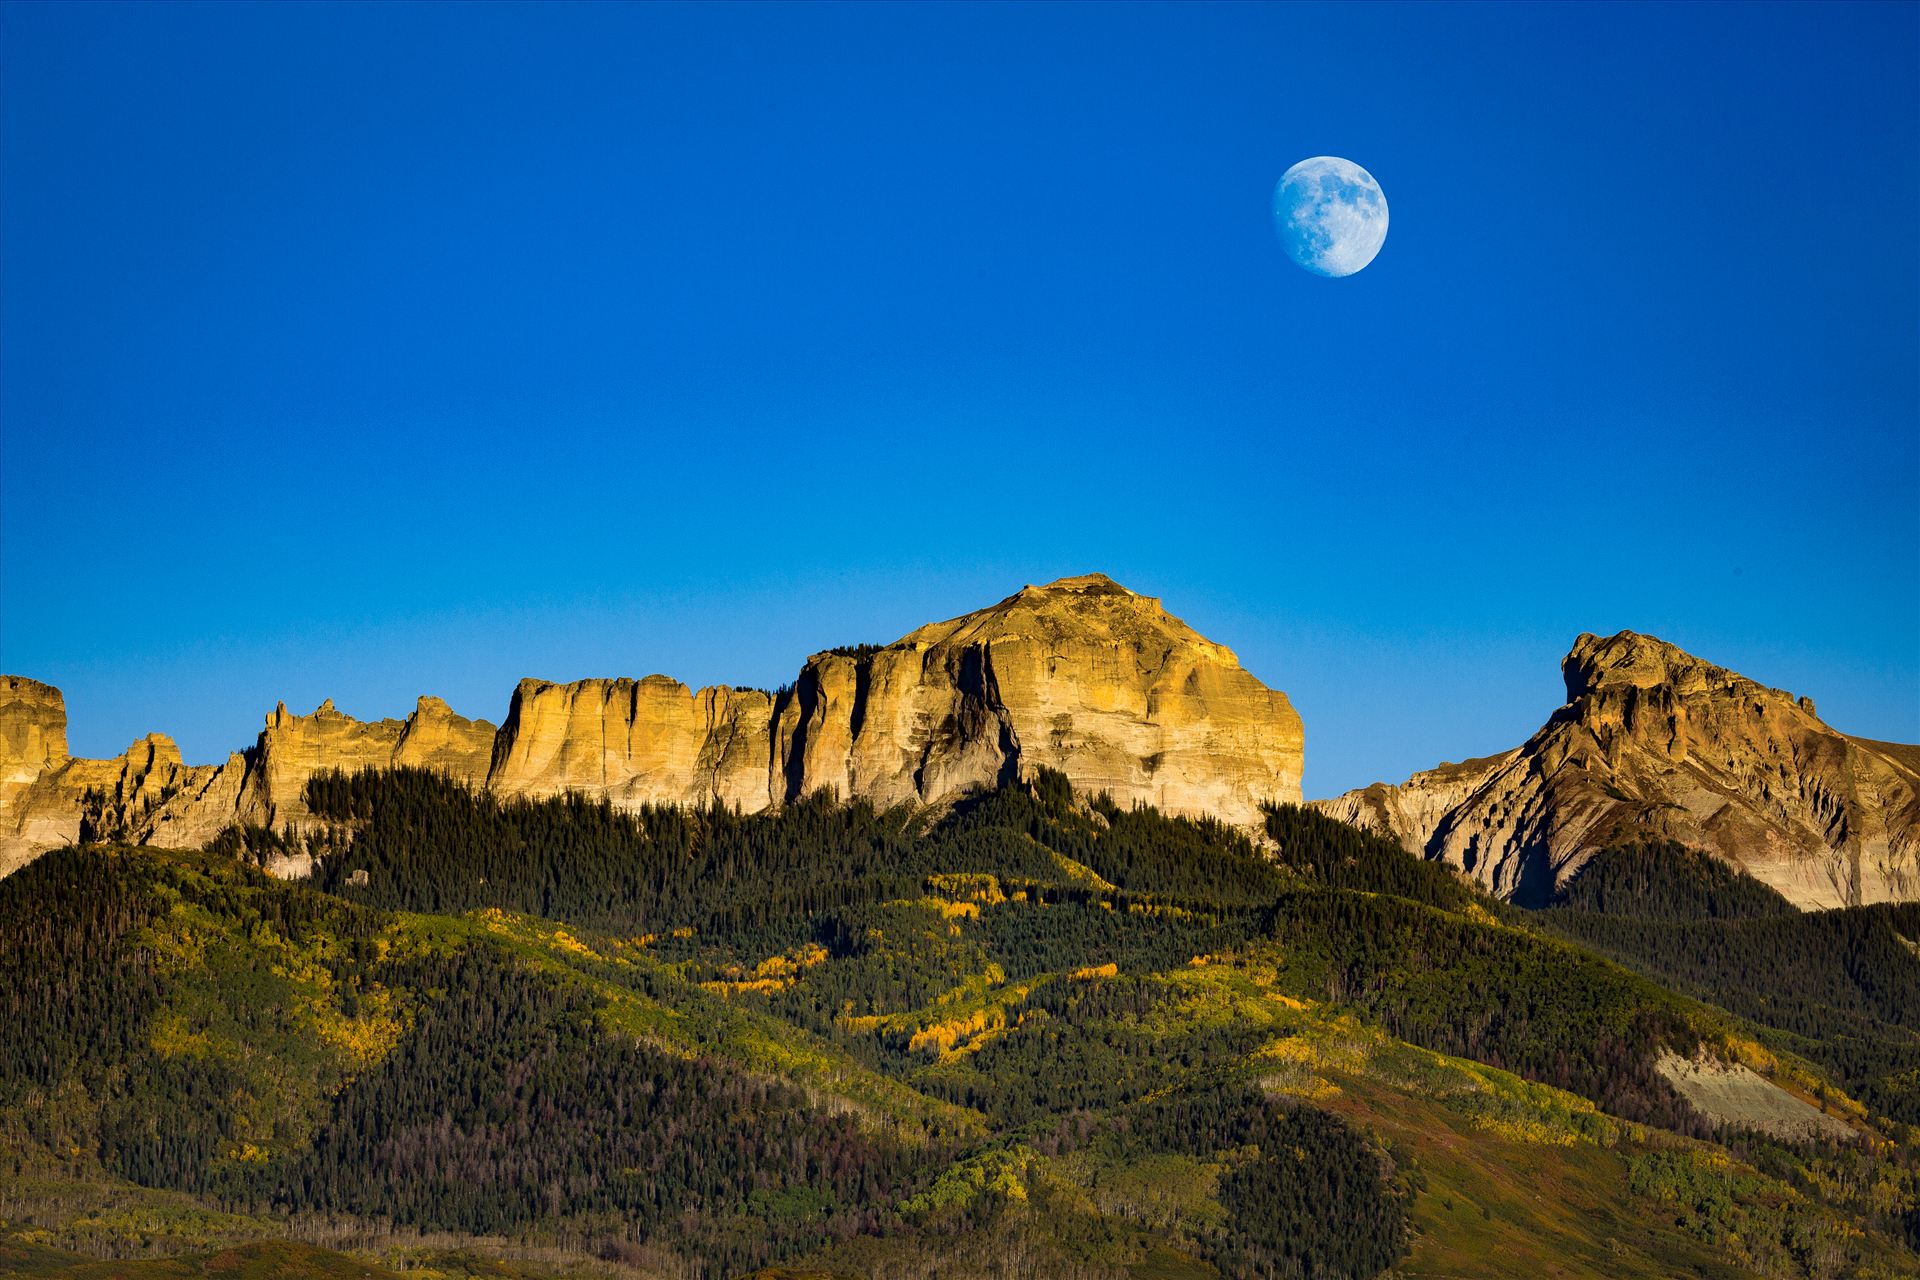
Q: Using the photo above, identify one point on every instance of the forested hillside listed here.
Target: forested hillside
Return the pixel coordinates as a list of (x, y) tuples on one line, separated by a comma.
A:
[(1035, 1035), (1840, 988)]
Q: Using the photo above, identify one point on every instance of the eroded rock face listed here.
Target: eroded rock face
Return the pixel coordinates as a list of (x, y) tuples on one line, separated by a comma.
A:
[(1732, 1094), (293, 748), (48, 799), (148, 796), (33, 729), (33, 746), (1080, 675), (1654, 742), (636, 742)]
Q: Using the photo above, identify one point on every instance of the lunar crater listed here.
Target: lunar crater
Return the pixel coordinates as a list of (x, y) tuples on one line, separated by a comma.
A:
[(1330, 214)]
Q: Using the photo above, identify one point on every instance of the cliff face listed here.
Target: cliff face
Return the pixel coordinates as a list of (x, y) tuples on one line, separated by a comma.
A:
[(636, 742), (48, 799), (148, 796), (33, 730), (33, 746), (1080, 675), (293, 748), (1654, 742)]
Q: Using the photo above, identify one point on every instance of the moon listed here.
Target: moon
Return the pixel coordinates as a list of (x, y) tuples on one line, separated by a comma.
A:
[(1330, 214)]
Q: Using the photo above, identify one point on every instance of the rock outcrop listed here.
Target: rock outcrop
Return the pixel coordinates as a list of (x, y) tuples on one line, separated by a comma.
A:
[(48, 798), (33, 730), (34, 814), (293, 748), (1080, 675), (637, 742), (148, 796), (1654, 742)]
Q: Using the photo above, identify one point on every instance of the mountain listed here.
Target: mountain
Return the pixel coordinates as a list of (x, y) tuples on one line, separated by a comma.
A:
[(1080, 675), (1839, 987), (1654, 743), (1035, 1034)]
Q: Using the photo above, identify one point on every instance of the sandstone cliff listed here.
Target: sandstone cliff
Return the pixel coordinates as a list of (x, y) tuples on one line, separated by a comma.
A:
[(1080, 675), (33, 748), (33, 730), (147, 795), (1654, 742), (636, 742)]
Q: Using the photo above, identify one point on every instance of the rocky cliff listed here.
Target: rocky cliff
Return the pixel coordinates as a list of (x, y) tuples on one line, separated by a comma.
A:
[(637, 742), (1653, 742), (1080, 675), (148, 796)]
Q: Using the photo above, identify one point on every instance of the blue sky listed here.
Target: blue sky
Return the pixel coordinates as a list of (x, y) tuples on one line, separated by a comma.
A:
[(370, 351)]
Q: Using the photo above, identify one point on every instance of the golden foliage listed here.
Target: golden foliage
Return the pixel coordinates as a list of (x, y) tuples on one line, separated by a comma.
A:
[(775, 973), (170, 1038), (941, 1037), (978, 887)]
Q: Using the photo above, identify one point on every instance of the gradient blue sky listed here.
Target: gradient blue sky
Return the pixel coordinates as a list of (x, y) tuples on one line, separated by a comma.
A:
[(370, 351)]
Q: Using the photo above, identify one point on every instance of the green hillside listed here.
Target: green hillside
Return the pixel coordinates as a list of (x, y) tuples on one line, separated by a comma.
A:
[(1035, 1036), (1840, 988)]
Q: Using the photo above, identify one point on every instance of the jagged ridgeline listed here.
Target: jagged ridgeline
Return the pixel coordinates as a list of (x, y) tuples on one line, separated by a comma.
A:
[(1079, 675), (1656, 745), (1089, 679), (1037, 1032)]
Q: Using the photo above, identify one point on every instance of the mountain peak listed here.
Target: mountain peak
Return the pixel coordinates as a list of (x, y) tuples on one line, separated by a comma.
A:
[(1657, 743), (1080, 583), (1082, 593), (1630, 660)]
